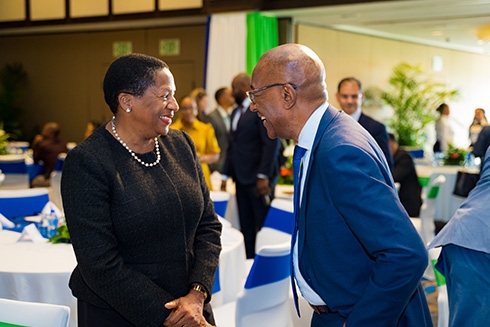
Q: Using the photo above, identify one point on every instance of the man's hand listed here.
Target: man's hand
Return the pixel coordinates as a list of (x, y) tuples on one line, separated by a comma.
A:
[(263, 187), (223, 186), (186, 311)]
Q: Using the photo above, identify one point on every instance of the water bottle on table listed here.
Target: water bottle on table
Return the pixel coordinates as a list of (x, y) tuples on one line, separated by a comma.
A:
[(49, 224)]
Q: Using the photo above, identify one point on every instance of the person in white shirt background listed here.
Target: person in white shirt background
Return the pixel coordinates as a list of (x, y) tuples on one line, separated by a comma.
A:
[(444, 131)]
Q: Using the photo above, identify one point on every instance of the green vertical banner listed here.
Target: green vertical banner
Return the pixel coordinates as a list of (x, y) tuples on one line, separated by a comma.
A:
[(262, 35)]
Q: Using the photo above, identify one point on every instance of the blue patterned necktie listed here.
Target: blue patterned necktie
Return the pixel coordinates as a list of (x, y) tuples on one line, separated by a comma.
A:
[(299, 153)]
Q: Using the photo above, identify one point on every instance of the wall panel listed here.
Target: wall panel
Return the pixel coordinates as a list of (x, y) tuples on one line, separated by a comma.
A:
[(179, 4), (12, 10), (89, 8), (131, 6), (47, 9)]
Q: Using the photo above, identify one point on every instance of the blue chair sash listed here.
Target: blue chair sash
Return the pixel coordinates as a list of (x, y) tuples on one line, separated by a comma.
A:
[(23, 206), (267, 270), (280, 220), (15, 167), (216, 285)]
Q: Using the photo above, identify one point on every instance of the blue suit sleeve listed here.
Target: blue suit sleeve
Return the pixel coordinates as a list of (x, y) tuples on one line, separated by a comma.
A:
[(363, 194)]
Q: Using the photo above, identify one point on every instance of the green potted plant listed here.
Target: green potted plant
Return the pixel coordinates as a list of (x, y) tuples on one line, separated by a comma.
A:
[(454, 156), (4, 140), (414, 99), (11, 77)]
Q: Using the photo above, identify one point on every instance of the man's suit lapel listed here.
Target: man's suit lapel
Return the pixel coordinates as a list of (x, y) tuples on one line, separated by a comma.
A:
[(325, 121), (215, 116), (241, 112)]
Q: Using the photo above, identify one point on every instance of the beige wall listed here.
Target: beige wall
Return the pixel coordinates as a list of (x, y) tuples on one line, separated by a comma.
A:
[(65, 72), (371, 59)]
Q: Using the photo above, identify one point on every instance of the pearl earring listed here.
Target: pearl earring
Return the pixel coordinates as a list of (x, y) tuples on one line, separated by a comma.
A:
[(128, 110)]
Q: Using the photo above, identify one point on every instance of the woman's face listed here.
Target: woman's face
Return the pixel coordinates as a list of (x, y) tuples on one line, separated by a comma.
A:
[(479, 115), (188, 110), (153, 112), (203, 103), (446, 111)]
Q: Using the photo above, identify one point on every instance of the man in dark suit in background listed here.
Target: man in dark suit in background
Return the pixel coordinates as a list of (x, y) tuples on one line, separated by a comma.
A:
[(252, 162), (220, 119), (357, 257), (404, 172), (350, 97)]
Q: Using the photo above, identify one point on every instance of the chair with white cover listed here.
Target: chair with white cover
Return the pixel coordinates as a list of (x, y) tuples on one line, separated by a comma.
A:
[(33, 314), (217, 297), (264, 301), (26, 202), (278, 225), (425, 224), (15, 169), (220, 200), (277, 228), (442, 298)]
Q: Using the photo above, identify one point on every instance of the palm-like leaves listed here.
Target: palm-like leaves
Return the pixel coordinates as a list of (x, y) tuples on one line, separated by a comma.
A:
[(414, 100), (11, 75)]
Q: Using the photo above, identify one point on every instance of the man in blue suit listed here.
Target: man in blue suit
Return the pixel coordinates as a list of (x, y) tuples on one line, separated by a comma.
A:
[(357, 259), (465, 256), (350, 95)]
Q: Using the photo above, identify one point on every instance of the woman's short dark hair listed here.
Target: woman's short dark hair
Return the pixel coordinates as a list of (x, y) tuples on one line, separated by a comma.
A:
[(441, 107), (132, 74)]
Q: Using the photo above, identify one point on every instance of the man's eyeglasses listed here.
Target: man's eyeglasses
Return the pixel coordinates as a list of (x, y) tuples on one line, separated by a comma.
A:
[(251, 93)]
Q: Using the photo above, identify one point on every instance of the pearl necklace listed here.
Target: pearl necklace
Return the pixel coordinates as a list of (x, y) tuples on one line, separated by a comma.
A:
[(157, 147)]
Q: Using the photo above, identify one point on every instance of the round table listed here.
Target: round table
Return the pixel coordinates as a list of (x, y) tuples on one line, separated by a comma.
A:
[(39, 272), (36, 272), (232, 267)]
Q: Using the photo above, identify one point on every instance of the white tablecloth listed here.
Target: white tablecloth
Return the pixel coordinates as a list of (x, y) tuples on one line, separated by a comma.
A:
[(40, 272), (447, 203), (232, 269), (37, 272)]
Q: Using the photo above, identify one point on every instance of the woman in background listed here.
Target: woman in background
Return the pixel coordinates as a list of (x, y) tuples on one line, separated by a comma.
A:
[(479, 120), (444, 131), (201, 97), (45, 148), (143, 227), (201, 133), (91, 127)]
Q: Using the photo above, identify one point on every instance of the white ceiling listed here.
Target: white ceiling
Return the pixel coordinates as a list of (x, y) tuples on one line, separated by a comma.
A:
[(447, 23)]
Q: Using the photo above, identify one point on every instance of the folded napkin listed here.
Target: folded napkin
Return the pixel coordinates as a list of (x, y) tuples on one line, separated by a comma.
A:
[(31, 234), (51, 206), (5, 222)]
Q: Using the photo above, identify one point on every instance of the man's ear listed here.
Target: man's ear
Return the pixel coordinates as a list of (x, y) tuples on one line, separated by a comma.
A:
[(289, 96)]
